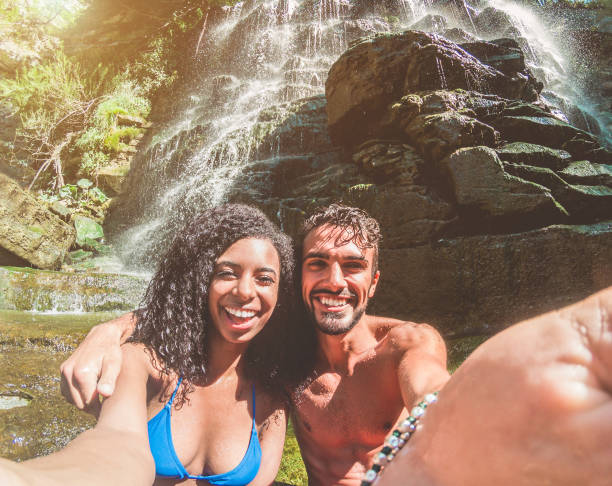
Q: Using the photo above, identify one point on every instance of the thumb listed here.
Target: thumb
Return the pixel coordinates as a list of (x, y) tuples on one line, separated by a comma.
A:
[(111, 366)]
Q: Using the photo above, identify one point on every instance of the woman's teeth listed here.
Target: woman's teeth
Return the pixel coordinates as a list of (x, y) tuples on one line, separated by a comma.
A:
[(243, 314)]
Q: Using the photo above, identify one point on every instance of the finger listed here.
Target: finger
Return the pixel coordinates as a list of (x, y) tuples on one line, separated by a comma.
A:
[(83, 386), (111, 366)]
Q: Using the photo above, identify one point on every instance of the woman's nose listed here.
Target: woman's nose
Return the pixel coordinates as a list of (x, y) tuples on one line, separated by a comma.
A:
[(245, 289)]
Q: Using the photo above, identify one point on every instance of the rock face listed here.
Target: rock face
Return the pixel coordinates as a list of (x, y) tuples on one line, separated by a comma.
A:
[(493, 206), (30, 231), (480, 284), (383, 68)]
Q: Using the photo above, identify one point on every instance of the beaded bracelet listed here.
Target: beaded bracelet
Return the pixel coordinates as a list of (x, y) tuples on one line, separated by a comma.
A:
[(397, 439)]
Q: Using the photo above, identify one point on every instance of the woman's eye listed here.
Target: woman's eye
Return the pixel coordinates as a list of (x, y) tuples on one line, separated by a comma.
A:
[(265, 280), (226, 274)]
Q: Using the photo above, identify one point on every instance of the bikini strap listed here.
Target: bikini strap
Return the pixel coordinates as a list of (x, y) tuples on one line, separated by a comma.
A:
[(175, 390), (253, 402)]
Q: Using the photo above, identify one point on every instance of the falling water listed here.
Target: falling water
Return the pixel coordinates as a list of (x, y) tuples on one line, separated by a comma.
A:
[(251, 65)]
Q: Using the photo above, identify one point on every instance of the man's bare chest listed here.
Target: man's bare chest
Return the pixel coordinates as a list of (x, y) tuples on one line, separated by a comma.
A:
[(340, 410)]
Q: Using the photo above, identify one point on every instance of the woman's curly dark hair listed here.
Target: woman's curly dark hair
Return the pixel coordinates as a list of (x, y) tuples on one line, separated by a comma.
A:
[(174, 320)]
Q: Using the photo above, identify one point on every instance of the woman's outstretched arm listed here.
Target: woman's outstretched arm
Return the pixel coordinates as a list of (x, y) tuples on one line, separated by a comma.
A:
[(115, 451)]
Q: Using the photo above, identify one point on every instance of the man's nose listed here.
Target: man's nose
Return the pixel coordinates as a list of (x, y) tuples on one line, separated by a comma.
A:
[(335, 277), (245, 289)]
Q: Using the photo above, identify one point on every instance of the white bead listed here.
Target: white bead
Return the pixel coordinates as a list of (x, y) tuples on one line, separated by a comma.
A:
[(417, 412), (392, 441), (401, 443), (405, 436), (370, 475), (431, 398), (380, 459)]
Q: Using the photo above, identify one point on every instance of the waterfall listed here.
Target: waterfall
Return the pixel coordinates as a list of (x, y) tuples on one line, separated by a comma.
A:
[(264, 55)]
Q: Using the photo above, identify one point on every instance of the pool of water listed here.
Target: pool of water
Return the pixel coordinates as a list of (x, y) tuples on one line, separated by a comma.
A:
[(34, 418)]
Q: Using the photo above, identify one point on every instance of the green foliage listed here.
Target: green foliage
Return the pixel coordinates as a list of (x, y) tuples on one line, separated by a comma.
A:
[(103, 137), (292, 469), (118, 137)]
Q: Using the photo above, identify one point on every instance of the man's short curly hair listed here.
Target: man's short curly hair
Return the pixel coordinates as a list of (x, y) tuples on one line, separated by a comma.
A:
[(174, 320), (359, 226)]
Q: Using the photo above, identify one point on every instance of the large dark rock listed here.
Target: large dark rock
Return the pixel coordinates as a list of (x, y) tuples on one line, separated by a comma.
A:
[(533, 154), (584, 172), (379, 70), (29, 230), (481, 284), (539, 130), (479, 181), (582, 202)]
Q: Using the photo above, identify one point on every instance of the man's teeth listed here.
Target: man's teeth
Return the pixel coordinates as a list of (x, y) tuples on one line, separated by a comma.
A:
[(332, 302), (240, 312)]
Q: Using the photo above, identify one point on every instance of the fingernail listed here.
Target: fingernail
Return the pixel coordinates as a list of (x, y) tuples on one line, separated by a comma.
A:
[(105, 389)]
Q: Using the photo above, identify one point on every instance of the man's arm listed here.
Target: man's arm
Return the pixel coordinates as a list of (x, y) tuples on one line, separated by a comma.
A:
[(531, 406), (422, 363), (94, 367), (116, 451)]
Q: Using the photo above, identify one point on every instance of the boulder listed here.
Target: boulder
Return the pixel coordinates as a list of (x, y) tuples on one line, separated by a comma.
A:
[(111, 179), (439, 134), (533, 154), (582, 202), (479, 182), (25, 289), (505, 55), (539, 130), (491, 21), (29, 230), (375, 72), (385, 161), (410, 215), (584, 172), (458, 35)]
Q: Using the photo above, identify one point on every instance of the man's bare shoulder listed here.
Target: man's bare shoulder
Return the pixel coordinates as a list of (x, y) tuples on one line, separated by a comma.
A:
[(403, 336)]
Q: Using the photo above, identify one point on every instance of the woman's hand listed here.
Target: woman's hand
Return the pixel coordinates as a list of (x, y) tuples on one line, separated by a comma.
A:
[(531, 406), (94, 367)]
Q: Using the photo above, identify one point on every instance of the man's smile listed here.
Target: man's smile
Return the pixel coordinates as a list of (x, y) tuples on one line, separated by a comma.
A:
[(332, 302)]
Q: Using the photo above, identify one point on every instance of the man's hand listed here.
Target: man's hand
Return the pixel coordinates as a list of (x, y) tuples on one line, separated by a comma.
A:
[(531, 406), (94, 367)]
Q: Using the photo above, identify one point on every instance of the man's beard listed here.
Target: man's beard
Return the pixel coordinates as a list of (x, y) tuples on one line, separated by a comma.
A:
[(332, 321)]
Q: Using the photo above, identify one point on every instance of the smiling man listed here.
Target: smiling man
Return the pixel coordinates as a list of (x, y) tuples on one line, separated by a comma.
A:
[(367, 370)]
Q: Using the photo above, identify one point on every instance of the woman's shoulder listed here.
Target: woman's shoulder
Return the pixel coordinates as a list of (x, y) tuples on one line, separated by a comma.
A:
[(144, 359)]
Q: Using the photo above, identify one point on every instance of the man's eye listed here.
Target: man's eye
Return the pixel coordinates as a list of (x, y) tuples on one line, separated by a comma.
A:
[(316, 264), (354, 265)]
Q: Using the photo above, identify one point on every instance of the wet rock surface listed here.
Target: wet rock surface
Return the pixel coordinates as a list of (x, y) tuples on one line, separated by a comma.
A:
[(25, 289), (29, 230)]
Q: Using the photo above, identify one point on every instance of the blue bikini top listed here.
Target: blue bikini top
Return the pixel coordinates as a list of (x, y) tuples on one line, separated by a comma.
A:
[(167, 463)]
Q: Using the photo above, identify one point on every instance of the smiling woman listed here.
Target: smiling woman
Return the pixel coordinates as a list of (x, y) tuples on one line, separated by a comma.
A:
[(201, 394)]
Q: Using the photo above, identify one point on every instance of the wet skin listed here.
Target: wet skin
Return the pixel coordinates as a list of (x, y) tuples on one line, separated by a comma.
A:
[(369, 369)]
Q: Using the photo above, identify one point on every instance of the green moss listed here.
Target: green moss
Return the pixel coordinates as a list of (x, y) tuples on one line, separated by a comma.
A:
[(118, 138)]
